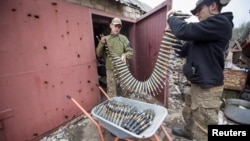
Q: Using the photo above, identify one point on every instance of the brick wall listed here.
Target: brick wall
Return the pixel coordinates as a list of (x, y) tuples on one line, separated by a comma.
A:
[(110, 6)]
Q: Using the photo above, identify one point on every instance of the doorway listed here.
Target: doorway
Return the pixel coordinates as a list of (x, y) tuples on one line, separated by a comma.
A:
[(101, 27)]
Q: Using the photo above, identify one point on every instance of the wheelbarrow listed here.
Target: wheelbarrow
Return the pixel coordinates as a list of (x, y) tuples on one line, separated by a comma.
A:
[(120, 132)]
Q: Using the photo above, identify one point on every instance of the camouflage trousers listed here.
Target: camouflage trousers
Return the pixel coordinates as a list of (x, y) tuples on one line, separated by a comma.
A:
[(201, 109), (113, 89)]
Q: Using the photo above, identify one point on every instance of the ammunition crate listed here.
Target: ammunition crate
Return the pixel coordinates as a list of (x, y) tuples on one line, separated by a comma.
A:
[(234, 79)]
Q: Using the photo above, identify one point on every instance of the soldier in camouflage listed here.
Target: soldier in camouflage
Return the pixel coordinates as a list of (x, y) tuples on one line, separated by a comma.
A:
[(204, 51), (119, 44)]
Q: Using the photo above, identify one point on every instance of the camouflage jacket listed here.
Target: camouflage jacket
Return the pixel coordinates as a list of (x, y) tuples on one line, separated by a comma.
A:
[(118, 44)]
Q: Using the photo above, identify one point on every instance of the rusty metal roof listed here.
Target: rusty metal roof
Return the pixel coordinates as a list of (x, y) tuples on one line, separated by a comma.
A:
[(144, 7)]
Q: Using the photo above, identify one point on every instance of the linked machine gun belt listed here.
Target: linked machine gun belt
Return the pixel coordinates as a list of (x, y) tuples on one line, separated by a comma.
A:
[(162, 72)]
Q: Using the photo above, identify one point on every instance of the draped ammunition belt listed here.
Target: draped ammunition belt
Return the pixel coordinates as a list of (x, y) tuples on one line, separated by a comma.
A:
[(163, 69)]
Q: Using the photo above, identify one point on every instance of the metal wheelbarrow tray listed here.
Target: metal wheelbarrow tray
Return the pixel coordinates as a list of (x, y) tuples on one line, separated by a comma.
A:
[(238, 110), (160, 114)]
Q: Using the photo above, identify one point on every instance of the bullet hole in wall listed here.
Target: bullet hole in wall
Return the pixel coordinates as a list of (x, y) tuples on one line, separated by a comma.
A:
[(56, 11), (81, 38), (46, 82), (56, 109), (54, 3), (44, 47), (36, 16), (47, 64), (67, 32), (78, 55), (80, 91), (13, 10), (66, 21), (66, 117), (88, 81), (29, 15), (35, 134), (89, 66)]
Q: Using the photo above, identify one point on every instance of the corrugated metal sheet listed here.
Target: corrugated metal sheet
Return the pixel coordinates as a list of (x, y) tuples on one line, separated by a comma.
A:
[(148, 34)]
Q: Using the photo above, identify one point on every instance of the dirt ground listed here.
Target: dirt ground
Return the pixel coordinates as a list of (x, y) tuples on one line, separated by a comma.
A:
[(82, 129)]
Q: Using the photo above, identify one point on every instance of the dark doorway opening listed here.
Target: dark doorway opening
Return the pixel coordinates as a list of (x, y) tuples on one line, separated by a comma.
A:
[(101, 25)]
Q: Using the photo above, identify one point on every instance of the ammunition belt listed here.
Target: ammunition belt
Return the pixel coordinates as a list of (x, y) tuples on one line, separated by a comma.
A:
[(163, 70)]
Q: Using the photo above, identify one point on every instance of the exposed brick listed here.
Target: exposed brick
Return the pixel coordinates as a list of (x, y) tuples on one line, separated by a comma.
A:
[(109, 7)]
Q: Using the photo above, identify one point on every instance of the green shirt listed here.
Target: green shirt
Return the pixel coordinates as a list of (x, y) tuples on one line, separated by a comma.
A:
[(118, 44)]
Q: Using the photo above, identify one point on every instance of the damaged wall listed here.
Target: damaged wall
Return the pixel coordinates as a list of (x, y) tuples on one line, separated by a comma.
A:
[(47, 52), (111, 6)]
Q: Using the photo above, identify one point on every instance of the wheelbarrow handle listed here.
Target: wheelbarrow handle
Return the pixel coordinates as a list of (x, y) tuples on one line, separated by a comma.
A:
[(88, 115), (103, 91)]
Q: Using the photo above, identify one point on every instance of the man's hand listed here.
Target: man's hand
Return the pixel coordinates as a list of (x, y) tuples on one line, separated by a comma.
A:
[(170, 13), (167, 28), (103, 40), (123, 58)]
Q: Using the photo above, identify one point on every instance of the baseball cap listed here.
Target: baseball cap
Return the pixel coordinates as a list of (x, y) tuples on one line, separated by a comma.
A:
[(116, 21), (200, 3)]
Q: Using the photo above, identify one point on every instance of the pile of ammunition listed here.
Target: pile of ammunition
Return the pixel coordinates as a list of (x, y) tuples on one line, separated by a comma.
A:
[(137, 122), (125, 116), (163, 70)]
